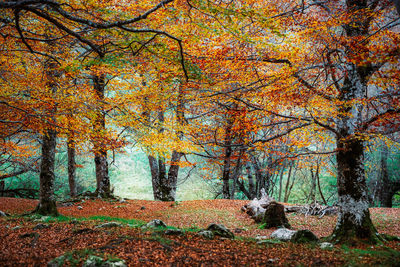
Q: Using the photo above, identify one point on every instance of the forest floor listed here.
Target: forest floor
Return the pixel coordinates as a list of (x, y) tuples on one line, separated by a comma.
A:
[(34, 241)]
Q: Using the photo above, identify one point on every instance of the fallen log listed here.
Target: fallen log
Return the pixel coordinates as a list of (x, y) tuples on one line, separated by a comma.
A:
[(256, 208)]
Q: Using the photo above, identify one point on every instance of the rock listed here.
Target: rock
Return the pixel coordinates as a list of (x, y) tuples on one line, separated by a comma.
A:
[(270, 261), (57, 262), (238, 230), (79, 208), (173, 232), (261, 237), (16, 228), (274, 216), (206, 234), (283, 234), (93, 261), (42, 219), (220, 230), (304, 236), (3, 214), (109, 225), (40, 226), (122, 200), (74, 221), (156, 223), (120, 263), (325, 245)]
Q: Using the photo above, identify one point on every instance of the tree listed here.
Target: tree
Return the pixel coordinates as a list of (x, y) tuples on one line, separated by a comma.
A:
[(336, 67), (83, 24)]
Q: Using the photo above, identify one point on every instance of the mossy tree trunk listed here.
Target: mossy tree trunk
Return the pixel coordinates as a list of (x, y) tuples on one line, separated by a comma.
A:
[(103, 188), (354, 221), (47, 202)]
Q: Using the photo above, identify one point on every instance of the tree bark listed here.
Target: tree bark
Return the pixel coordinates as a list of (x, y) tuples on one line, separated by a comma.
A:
[(103, 188), (312, 196), (227, 160), (319, 184), (71, 165), (47, 202), (354, 221), (287, 193)]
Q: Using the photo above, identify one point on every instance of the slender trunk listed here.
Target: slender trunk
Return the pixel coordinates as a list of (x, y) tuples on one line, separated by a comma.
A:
[(173, 171), (280, 183), (237, 171), (71, 165), (319, 184), (286, 195), (103, 188), (252, 189), (226, 172), (313, 186), (169, 193)]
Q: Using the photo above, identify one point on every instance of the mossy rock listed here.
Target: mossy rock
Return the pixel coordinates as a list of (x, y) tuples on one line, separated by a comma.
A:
[(304, 236), (220, 230)]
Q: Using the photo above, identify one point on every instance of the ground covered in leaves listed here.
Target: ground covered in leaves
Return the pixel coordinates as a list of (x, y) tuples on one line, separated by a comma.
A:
[(34, 241)]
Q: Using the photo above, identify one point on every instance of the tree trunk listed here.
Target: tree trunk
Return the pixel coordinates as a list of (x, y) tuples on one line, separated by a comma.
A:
[(103, 188), (226, 172), (354, 220), (281, 182), (169, 189), (47, 202), (287, 192), (71, 165), (319, 185), (165, 184), (313, 190), (252, 188), (154, 177), (386, 188)]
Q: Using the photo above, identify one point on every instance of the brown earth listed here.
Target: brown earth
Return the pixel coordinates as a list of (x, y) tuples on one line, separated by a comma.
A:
[(26, 246)]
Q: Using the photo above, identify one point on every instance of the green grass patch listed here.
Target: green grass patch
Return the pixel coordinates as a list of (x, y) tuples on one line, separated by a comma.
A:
[(133, 222), (382, 256), (78, 257)]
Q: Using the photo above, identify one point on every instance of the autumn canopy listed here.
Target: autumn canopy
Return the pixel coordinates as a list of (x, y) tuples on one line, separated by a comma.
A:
[(227, 82)]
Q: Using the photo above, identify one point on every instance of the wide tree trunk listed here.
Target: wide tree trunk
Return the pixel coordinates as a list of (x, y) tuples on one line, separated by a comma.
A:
[(354, 221), (47, 202), (103, 188)]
